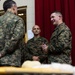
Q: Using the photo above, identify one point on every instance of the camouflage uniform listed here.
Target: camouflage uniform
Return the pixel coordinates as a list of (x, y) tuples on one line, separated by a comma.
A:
[(33, 48), (12, 31), (60, 45)]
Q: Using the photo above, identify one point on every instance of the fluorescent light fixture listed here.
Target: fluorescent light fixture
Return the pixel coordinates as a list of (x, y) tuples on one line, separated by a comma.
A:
[(21, 14)]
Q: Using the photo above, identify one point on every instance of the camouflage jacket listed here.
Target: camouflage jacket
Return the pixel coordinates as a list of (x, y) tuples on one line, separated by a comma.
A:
[(60, 45), (12, 31), (33, 48)]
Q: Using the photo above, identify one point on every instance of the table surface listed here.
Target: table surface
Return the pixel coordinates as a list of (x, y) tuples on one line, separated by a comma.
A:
[(6, 70)]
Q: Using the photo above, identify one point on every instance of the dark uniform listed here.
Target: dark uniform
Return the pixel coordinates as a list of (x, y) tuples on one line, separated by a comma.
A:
[(60, 45), (33, 48), (12, 31)]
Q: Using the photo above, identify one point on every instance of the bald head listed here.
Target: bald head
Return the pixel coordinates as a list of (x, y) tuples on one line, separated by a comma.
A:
[(36, 30), (35, 26)]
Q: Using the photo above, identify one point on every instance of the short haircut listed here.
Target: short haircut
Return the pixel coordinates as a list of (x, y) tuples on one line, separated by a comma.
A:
[(58, 13), (8, 4)]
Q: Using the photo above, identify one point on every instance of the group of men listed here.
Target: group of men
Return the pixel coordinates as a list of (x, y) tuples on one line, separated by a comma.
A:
[(59, 48), (12, 46)]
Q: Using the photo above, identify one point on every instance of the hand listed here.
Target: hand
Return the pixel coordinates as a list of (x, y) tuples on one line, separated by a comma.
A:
[(44, 48), (35, 58)]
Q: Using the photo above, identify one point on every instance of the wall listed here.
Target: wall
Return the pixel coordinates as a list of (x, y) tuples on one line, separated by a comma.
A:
[(30, 10)]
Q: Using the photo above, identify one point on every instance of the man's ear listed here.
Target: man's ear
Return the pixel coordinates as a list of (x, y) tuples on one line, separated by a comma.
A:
[(32, 30), (13, 8), (40, 30), (60, 16)]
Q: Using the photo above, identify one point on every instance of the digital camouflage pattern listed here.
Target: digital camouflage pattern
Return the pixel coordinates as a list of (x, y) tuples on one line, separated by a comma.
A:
[(60, 45), (12, 31), (33, 48)]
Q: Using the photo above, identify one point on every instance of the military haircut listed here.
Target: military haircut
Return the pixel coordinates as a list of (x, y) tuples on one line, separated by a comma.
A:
[(58, 13), (8, 4)]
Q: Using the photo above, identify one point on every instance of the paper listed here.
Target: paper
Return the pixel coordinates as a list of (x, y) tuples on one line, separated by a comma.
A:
[(30, 34)]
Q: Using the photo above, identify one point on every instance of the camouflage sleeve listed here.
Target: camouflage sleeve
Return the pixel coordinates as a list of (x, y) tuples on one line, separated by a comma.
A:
[(18, 33), (44, 41), (62, 42), (27, 54), (42, 55)]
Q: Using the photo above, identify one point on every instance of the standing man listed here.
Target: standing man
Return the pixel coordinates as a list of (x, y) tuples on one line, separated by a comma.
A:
[(59, 49), (12, 31), (33, 47)]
